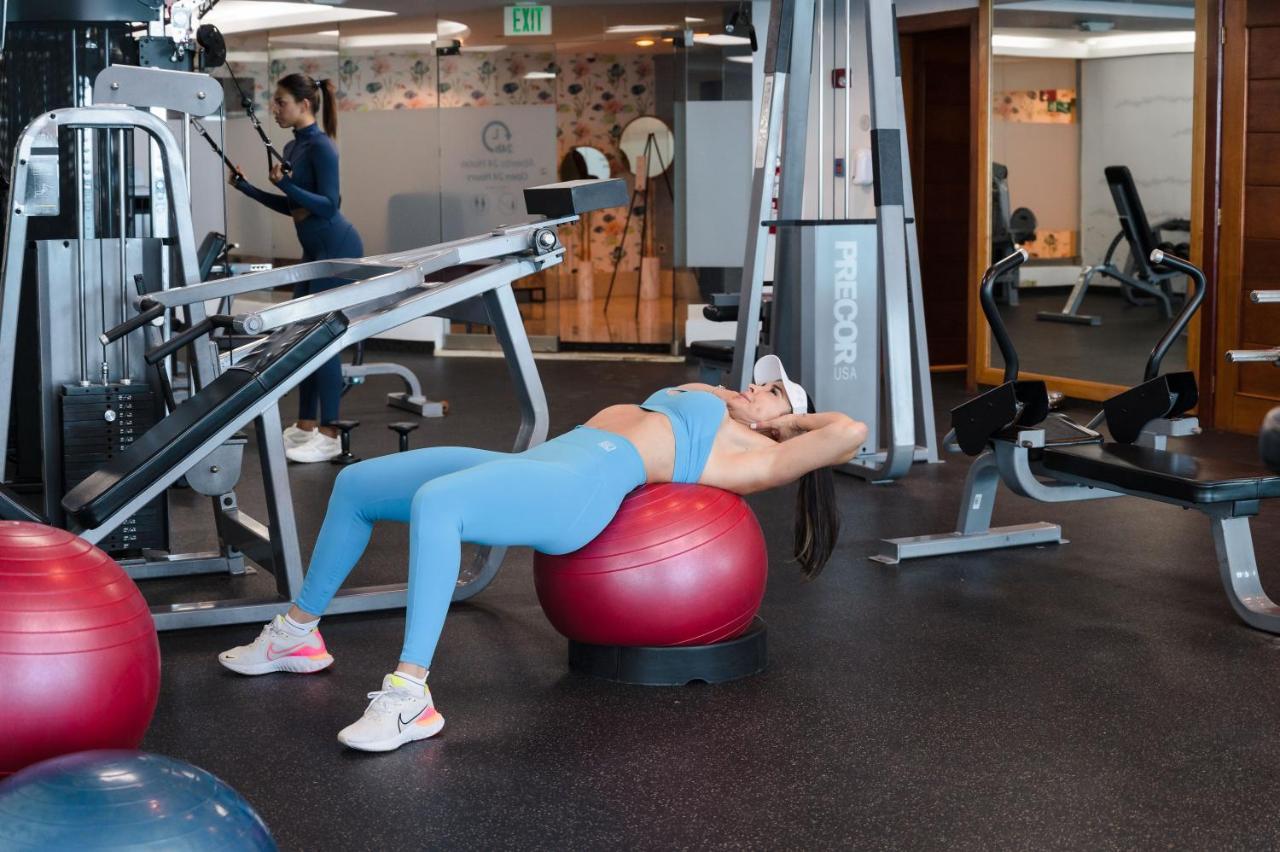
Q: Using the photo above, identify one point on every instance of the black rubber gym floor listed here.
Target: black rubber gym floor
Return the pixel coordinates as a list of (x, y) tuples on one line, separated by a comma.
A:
[(1115, 351), (1100, 694)]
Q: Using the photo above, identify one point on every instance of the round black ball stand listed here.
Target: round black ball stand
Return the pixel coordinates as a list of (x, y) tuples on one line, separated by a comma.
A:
[(678, 665)]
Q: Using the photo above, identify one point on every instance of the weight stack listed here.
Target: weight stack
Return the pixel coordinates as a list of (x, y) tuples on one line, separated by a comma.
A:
[(98, 422)]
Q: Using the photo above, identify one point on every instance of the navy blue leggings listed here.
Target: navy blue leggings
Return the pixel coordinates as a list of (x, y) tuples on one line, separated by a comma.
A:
[(555, 497), (321, 240)]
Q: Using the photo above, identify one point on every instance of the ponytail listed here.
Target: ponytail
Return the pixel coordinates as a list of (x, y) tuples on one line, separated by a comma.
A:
[(329, 112), (817, 522)]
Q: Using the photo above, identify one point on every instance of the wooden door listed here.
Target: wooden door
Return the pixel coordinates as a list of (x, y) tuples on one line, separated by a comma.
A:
[(938, 61), (1250, 247)]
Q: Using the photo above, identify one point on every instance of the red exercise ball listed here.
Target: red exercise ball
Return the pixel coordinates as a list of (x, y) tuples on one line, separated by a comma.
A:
[(79, 658), (678, 565)]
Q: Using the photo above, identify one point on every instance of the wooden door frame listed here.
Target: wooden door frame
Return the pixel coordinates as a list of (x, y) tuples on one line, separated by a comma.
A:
[(1229, 410), (979, 43), (1204, 183)]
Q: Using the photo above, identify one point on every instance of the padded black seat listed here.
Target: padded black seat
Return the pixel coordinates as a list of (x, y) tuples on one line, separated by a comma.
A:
[(1174, 476), (712, 350), (197, 419)]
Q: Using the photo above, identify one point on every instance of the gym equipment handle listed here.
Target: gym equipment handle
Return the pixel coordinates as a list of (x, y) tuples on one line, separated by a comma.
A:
[(987, 295), (152, 310), (1183, 319), (173, 344)]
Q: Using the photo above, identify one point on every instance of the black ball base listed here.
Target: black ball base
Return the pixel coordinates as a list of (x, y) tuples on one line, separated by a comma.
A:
[(674, 666)]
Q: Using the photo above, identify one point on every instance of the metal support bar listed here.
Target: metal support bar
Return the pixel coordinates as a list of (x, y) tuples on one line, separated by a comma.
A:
[(1233, 542)]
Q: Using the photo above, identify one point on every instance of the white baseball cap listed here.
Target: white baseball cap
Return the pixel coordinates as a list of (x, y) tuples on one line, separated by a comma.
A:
[(769, 369)]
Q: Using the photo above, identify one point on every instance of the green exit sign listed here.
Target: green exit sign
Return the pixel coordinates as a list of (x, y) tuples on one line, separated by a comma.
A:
[(528, 20)]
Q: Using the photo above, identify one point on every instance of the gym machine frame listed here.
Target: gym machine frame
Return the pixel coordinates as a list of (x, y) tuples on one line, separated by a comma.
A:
[(199, 95), (1037, 456), (904, 358)]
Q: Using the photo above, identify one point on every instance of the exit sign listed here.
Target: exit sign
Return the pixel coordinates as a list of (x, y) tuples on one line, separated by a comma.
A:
[(527, 20)]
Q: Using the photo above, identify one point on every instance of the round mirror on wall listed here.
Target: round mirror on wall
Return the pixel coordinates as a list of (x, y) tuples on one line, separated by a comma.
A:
[(584, 162), (648, 137)]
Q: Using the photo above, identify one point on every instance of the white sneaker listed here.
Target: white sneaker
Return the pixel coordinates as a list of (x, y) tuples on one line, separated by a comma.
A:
[(278, 650), (295, 437), (318, 448), (401, 712)]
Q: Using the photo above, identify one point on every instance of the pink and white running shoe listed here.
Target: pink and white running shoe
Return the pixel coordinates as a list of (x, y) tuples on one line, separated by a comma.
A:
[(277, 649)]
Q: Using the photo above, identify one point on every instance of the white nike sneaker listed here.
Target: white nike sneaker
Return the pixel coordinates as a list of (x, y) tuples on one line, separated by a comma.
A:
[(401, 712), (295, 437), (278, 650), (318, 448)]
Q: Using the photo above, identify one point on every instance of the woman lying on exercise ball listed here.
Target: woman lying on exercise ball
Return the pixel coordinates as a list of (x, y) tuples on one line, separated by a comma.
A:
[(555, 497)]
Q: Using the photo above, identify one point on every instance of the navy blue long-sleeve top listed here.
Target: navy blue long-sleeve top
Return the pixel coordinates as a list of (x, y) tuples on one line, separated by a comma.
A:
[(312, 184)]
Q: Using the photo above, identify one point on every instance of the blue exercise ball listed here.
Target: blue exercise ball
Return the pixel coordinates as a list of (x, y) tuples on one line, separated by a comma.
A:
[(114, 799)]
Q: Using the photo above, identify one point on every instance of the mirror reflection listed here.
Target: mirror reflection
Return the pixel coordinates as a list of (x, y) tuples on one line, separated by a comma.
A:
[(1090, 143)]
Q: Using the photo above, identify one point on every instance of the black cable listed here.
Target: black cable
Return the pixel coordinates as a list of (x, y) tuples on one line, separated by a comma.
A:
[(249, 110), (195, 122)]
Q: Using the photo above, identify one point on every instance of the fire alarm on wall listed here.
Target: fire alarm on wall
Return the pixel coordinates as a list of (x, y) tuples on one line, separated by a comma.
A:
[(839, 78)]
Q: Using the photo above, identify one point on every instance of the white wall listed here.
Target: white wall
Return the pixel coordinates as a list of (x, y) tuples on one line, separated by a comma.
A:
[(1043, 159), (714, 186), (1135, 111)]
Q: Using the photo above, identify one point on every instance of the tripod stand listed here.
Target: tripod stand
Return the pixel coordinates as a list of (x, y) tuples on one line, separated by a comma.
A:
[(641, 189)]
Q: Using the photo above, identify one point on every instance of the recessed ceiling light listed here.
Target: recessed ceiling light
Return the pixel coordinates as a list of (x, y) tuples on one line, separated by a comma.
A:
[(644, 42), (540, 75), (695, 20), (390, 40), (720, 39), (444, 29), (241, 16), (623, 29), (1080, 45)]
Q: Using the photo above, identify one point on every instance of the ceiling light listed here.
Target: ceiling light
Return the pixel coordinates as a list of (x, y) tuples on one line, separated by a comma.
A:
[(1170, 38), (720, 39), (743, 59), (389, 40), (540, 75), (1022, 42), (483, 48), (444, 30), (241, 16), (695, 20), (644, 42), (1065, 44), (623, 29)]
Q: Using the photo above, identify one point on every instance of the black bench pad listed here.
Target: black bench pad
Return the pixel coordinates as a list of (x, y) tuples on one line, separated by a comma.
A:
[(197, 419), (712, 350), (1174, 476)]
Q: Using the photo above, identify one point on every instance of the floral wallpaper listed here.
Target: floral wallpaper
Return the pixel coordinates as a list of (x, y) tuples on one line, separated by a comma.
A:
[(595, 95)]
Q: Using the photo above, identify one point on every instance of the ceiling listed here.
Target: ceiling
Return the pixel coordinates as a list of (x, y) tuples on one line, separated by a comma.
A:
[(574, 24), (1126, 15)]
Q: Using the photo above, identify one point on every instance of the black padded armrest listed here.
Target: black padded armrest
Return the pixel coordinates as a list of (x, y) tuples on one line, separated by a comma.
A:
[(171, 441)]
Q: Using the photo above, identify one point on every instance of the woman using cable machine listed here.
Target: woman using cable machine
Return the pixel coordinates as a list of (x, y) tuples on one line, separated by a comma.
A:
[(307, 174)]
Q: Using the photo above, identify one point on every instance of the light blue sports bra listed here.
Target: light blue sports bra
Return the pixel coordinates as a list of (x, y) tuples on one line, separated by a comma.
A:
[(695, 419)]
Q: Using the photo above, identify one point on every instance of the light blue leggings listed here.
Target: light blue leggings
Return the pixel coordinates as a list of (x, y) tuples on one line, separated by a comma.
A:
[(555, 497)]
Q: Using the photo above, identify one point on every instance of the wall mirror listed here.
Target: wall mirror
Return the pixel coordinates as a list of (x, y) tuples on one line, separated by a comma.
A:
[(1091, 113)]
